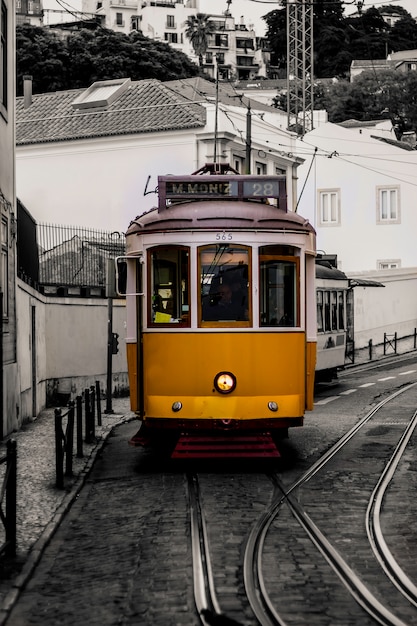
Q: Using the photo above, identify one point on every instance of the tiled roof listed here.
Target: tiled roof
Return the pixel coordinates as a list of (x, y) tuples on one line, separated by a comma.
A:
[(146, 106), (199, 89)]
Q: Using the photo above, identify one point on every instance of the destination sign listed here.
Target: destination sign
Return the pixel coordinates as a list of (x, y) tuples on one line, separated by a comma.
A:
[(239, 187), (175, 189)]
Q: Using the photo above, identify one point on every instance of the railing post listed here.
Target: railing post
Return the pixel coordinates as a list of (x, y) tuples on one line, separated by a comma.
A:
[(93, 410), (11, 490), (59, 453), (385, 343), (79, 405), (415, 338), (69, 440), (98, 398), (88, 438), (370, 349), (395, 342)]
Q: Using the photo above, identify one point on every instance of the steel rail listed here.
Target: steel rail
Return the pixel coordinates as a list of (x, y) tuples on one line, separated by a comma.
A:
[(204, 592), (373, 518), (323, 460), (252, 567)]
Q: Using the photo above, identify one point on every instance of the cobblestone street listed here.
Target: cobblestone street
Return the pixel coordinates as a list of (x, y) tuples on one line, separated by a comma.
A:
[(40, 505)]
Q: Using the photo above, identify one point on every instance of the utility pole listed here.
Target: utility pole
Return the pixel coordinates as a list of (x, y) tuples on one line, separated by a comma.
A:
[(300, 101), (248, 139)]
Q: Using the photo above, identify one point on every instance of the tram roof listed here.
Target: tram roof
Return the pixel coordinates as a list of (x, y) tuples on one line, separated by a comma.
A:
[(220, 214), (325, 270)]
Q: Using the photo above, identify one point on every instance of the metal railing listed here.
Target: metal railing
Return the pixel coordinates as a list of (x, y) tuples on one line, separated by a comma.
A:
[(64, 437), (390, 344), (73, 260), (8, 494)]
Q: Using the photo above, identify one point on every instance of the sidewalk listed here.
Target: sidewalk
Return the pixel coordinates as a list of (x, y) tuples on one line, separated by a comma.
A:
[(40, 505)]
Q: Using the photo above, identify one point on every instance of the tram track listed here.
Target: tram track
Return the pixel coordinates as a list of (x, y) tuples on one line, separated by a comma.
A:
[(263, 607), (261, 603)]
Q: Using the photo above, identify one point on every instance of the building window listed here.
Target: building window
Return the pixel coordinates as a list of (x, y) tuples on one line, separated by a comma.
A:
[(5, 264), (260, 168), (246, 44), (389, 264), (388, 205), (119, 19), (329, 207), (170, 21), (171, 37), (221, 41), (239, 164), (209, 58), (3, 58)]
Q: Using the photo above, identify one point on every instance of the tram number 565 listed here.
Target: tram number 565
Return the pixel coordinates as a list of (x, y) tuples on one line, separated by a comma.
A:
[(224, 236)]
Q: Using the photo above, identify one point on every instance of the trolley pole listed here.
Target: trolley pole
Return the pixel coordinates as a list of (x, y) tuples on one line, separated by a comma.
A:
[(109, 409)]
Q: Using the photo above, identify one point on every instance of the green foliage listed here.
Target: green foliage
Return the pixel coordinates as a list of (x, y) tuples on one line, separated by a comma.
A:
[(372, 96), (339, 39), (86, 56)]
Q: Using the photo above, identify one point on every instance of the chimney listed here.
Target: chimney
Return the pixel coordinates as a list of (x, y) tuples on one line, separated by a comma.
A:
[(27, 91)]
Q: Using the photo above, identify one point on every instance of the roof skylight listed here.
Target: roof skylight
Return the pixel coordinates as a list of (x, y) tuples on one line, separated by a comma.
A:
[(101, 93)]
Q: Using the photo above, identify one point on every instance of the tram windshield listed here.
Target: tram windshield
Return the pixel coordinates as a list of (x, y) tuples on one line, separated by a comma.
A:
[(278, 286), (169, 286), (224, 284)]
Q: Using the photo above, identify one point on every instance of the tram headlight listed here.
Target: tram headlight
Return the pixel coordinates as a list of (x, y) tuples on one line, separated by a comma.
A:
[(273, 406), (225, 382), (176, 406)]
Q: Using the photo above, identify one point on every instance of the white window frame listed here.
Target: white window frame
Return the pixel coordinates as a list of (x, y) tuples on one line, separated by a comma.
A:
[(388, 264), (388, 205), (328, 207), (261, 168)]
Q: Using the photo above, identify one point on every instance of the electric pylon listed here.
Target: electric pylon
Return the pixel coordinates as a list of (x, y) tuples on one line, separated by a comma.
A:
[(300, 101)]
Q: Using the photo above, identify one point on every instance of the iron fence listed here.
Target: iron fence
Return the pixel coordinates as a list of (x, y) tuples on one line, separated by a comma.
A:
[(389, 345), (73, 260)]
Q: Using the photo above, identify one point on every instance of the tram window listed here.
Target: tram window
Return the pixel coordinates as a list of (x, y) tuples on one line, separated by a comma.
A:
[(320, 318), (168, 295), (224, 284), (334, 309), (278, 292), (341, 310), (327, 325)]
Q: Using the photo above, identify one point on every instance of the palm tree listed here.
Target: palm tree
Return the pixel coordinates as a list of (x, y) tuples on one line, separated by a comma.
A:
[(198, 30)]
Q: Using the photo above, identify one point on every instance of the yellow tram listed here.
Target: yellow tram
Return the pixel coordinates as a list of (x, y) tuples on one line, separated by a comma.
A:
[(221, 307)]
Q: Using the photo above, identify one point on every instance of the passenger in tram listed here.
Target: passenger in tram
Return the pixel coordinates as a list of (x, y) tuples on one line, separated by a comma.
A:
[(225, 304)]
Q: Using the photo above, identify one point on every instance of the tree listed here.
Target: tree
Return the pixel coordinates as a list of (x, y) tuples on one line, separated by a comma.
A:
[(373, 95), (86, 56), (198, 30), (338, 39)]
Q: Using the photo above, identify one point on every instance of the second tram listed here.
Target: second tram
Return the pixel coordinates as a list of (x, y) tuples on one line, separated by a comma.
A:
[(221, 307), (332, 287)]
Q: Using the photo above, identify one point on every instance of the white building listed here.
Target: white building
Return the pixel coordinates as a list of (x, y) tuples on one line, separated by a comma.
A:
[(239, 53), (358, 188), (9, 370), (92, 157)]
